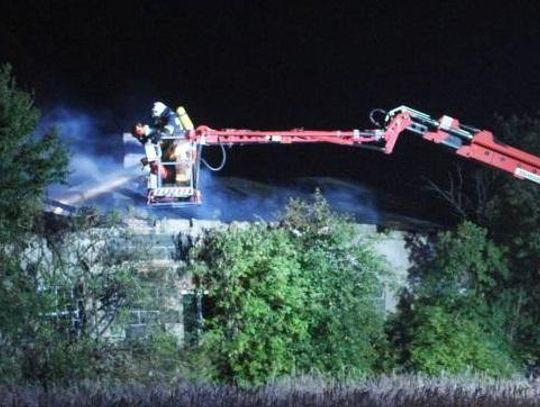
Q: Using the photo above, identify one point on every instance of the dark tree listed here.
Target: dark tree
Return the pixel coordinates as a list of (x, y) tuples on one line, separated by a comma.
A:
[(28, 162)]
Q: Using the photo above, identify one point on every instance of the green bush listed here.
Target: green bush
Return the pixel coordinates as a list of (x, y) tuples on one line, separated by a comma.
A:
[(300, 296), (345, 288), (255, 284), (445, 342), (452, 320)]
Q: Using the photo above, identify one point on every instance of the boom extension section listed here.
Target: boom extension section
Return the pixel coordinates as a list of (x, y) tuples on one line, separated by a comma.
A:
[(469, 142), (229, 137)]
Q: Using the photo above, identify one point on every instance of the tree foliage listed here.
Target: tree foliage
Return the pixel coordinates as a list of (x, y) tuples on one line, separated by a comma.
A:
[(451, 322), (301, 295), (450, 341), (67, 304), (515, 224), (509, 209), (466, 265), (345, 287), (28, 163), (256, 285)]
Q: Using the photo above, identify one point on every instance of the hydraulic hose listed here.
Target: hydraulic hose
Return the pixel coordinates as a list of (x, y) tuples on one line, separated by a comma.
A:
[(223, 160), (378, 122)]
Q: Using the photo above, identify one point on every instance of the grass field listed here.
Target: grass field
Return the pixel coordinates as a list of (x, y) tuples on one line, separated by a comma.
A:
[(411, 391)]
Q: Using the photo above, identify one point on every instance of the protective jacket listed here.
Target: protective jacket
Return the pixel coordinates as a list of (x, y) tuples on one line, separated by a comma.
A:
[(167, 123)]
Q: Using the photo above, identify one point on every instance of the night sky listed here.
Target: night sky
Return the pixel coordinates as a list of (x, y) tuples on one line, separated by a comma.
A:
[(283, 64)]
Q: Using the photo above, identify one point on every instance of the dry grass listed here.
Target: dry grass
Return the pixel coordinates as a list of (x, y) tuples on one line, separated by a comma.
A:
[(411, 391)]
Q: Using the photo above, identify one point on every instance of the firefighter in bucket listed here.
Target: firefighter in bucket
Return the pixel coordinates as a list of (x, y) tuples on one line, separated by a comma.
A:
[(169, 154)]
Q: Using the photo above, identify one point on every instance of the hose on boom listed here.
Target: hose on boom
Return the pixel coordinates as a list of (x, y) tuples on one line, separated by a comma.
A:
[(378, 117), (221, 164)]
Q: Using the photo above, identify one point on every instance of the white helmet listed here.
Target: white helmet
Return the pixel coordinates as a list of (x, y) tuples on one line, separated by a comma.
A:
[(158, 109)]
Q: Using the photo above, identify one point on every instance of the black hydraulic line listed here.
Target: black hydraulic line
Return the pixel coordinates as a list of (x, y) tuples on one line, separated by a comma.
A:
[(378, 122), (368, 147), (223, 160)]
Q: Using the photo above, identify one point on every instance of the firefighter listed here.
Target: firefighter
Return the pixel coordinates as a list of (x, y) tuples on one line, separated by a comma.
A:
[(169, 122), (153, 152), (145, 133), (149, 138), (166, 121)]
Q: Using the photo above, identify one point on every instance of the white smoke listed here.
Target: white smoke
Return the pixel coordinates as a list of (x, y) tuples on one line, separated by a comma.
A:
[(94, 156), (232, 198)]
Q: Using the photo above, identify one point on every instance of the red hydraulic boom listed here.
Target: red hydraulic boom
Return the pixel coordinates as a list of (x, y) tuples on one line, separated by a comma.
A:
[(469, 142), (466, 141), (208, 136)]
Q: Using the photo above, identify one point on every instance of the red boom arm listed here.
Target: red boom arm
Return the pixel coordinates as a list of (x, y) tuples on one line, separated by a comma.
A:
[(469, 142), (486, 149), (209, 136)]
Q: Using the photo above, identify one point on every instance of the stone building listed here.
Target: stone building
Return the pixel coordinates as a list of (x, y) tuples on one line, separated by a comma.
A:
[(171, 302)]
